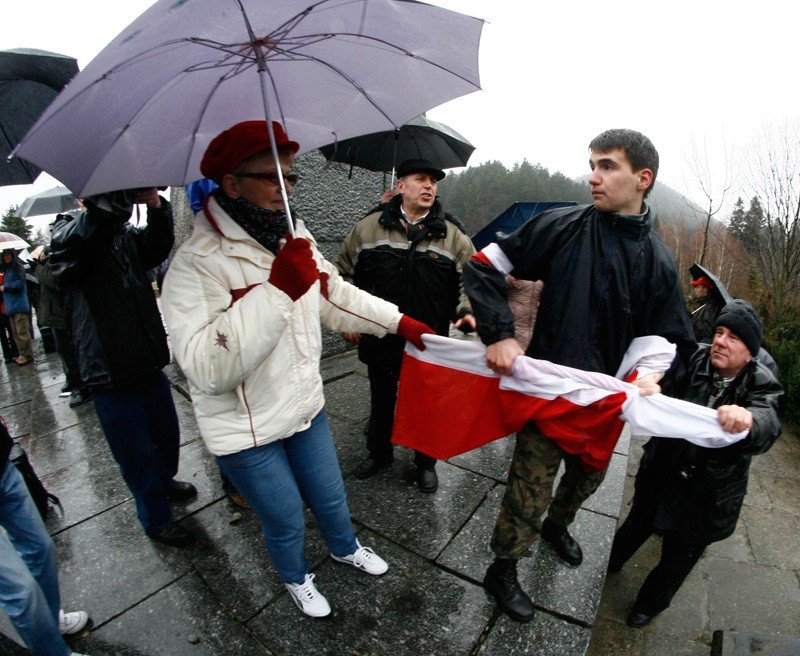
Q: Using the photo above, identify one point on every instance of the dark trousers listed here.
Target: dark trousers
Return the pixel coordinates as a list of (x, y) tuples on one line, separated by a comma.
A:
[(141, 427), (66, 352), (678, 557), (383, 380), (10, 350)]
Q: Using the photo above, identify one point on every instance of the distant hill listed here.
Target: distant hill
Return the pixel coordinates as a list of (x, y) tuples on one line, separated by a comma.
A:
[(671, 206), (479, 194)]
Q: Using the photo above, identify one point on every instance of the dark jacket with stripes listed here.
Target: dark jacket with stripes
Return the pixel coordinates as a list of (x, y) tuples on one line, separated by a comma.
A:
[(422, 276)]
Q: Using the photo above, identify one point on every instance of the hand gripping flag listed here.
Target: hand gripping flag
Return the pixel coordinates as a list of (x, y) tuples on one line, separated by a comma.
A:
[(449, 402)]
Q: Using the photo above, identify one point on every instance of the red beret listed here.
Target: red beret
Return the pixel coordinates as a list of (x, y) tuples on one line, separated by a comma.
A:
[(233, 146), (702, 280)]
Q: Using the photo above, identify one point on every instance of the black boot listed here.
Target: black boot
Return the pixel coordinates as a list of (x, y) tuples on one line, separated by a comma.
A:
[(501, 582), (565, 545)]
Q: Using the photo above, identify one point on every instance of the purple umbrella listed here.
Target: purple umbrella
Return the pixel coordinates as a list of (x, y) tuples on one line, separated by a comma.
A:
[(144, 110)]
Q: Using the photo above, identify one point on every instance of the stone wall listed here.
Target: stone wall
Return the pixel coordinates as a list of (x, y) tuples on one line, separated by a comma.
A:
[(328, 198)]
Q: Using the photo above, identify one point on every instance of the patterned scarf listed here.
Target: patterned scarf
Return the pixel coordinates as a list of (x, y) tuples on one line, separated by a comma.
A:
[(266, 226)]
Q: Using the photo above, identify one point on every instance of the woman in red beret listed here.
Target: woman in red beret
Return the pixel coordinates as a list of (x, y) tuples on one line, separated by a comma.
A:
[(243, 304)]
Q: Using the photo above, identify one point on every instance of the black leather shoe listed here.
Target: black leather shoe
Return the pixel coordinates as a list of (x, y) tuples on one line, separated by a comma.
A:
[(173, 535), (501, 582), (564, 544), (638, 620), (369, 467), (79, 398), (181, 491), (427, 480)]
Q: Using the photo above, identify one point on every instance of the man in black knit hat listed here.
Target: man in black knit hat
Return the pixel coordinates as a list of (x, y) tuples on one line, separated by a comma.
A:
[(692, 494)]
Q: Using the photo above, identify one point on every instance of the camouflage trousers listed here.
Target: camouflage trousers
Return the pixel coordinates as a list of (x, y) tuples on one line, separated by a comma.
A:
[(530, 490)]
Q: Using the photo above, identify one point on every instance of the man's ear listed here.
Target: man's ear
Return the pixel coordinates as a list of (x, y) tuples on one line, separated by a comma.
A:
[(645, 179)]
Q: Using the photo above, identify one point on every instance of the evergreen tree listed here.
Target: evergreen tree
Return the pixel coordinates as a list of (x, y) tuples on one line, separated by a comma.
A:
[(480, 193), (737, 222), (15, 225)]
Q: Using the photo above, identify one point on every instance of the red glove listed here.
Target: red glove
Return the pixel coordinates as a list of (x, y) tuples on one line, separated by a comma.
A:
[(294, 269), (413, 330)]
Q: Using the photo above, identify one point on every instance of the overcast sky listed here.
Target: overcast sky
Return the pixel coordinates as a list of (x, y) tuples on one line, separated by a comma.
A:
[(703, 74)]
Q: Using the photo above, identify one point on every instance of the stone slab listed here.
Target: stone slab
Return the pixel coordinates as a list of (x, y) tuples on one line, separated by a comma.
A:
[(183, 619), (607, 499), (770, 546), (230, 556), (469, 554), (492, 460), (390, 504), (734, 643), (108, 565), (348, 398), (571, 592), (545, 635), (62, 448), (415, 608), (737, 594)]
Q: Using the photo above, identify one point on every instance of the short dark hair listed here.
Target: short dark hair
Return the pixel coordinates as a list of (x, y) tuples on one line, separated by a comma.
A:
[(639, 150)]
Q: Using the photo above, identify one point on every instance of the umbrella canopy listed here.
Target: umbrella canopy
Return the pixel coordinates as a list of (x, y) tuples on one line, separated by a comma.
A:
[(29, 81), (420, 138), (698, 271), (8, 240), (52, 201), (144, 110)]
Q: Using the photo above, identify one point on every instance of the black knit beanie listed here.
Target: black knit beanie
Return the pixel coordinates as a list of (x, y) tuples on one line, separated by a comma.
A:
[(740, 317)]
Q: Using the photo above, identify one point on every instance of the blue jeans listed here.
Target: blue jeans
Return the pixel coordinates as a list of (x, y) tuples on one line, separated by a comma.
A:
[(28, 571), (141, 427), (276, 478)]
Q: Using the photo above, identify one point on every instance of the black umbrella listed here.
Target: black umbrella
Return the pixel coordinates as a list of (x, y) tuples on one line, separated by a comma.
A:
[(29, 81), (420, 138), (698, 271)]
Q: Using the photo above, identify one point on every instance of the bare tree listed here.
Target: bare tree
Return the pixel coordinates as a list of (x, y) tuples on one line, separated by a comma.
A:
[(775, 178), (714, 192)]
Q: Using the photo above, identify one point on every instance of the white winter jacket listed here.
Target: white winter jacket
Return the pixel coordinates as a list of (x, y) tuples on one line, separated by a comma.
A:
[(251, 355)]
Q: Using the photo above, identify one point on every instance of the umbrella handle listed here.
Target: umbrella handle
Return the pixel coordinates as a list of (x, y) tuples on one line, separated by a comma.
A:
[(281, 182), (274, 148)]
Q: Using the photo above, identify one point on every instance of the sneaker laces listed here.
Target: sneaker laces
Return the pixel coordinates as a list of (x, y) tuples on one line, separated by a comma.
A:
[(306, 591), (363, 555)]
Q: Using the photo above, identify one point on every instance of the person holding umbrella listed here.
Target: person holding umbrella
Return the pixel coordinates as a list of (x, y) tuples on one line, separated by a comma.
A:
[(709, 304), (410, 252), (243, 305), (10, 350), (17, 305), (101, 261)]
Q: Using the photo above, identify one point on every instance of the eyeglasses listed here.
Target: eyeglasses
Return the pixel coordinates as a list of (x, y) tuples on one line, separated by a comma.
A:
[(270, 176)]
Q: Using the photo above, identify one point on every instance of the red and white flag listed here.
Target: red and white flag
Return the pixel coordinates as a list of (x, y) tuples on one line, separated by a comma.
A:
[(449, 402)]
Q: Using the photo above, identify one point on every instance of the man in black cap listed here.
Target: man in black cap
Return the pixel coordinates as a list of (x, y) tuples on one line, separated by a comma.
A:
[(692, 494), (410, 252)]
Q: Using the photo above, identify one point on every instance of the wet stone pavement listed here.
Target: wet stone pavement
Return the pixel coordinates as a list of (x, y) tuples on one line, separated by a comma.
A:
[(222, 597)]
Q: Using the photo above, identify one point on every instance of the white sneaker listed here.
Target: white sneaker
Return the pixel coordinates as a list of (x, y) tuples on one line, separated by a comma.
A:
[(364, 559), (308, 599), (71, 623)]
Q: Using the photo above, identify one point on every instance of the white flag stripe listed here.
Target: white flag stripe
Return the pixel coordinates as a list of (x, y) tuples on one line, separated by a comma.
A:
[(656, 415), (498, 258)]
